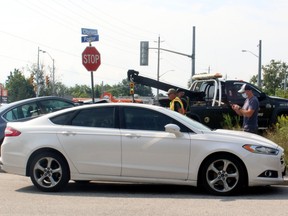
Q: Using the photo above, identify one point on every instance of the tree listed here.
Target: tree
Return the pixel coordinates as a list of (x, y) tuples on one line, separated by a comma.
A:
[(123, 89), (80, 91), (274, 76), (18, 86), (61, 90), (38, 79), (253, 80)]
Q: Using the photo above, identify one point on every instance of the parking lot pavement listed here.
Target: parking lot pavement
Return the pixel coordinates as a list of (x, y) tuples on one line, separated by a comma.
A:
[(1, 166)]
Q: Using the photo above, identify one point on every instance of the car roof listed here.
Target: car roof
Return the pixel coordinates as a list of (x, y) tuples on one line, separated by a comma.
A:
[(28, 100), (160, 109), (87, 106), (119, 104)]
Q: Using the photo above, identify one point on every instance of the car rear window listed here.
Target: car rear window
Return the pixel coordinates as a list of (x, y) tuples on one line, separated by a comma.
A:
[(24, 111), (48, 106), (91, 117)]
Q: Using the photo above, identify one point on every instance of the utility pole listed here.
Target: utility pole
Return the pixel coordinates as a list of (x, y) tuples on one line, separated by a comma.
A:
[(53, 77), (192, 56), (37, 75), (193, 51), (259, 63), (158, 67)]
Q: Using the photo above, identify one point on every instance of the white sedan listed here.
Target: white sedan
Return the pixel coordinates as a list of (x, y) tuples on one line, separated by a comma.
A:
[(126, 142)]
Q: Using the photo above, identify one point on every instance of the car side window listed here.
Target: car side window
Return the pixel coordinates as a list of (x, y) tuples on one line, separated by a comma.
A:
[(95, 117), (144, 119), (23, 111), (53, 105), (63, 119), (232, 91)]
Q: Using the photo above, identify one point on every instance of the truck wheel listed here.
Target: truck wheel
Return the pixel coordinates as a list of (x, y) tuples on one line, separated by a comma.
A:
[(49, 172), (223, 175)]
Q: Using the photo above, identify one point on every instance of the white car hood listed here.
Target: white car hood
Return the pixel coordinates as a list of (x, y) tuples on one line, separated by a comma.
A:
[(243, 137)]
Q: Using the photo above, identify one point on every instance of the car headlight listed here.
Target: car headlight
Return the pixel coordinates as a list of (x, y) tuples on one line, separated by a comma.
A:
[(261, 149)]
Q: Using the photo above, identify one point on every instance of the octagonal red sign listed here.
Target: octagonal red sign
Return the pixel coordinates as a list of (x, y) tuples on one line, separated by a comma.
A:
[(91, 58)]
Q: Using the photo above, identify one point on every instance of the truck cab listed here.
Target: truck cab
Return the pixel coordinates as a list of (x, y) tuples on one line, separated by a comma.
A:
[(210, 98), (222, 93)]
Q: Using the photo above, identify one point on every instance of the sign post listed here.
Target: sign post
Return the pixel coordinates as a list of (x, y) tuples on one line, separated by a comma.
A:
[(90, 56), (91, 61)]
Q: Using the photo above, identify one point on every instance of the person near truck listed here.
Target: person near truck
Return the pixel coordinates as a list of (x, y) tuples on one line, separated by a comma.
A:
[(175, 102), (249, 111), (184, 99)]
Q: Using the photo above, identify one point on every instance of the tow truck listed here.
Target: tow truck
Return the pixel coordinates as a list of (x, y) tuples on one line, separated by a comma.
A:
[(211, 97)]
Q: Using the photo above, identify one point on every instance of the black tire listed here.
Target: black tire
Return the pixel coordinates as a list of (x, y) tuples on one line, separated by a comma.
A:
[(223, 175), (49, 172)]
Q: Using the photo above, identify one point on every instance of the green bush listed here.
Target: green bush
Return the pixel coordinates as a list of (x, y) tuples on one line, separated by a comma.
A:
[(231, 123), (279, 134)]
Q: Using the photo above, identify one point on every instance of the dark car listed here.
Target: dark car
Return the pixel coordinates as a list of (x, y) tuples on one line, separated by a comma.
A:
[(26, 109)]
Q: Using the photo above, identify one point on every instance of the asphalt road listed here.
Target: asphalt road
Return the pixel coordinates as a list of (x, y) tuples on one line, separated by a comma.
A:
[(19, 197)]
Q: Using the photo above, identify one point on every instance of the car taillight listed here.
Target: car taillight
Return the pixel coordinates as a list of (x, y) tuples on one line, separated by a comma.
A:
[(10, 132)]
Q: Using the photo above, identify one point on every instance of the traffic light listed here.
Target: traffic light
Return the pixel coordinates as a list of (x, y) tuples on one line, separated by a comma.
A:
[(132, 88), (31, 79), (47, 80), (144, 53)]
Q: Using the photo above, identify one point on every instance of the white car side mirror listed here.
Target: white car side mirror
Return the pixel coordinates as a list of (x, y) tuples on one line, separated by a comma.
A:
[(173, 128)]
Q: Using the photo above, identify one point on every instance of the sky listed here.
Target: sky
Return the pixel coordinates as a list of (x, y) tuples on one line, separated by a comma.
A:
[(223, 28)]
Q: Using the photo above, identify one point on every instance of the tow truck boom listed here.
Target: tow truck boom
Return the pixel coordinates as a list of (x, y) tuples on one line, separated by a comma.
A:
[(134, 76)]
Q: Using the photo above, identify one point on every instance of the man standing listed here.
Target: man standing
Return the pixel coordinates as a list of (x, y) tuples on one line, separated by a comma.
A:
[(185, 100), (175, 102), (249, 111)]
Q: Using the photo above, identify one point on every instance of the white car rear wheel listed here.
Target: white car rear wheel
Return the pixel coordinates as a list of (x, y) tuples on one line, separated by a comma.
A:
[(49, 172)]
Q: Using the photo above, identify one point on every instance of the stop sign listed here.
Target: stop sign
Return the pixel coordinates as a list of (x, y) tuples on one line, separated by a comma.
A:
[(91, 58)]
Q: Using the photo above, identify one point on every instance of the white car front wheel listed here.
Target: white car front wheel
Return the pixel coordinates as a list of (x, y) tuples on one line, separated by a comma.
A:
[(223, 175)]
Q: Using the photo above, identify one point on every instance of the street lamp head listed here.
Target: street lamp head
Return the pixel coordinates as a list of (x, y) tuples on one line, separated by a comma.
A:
[(165, 73), (250, 52)]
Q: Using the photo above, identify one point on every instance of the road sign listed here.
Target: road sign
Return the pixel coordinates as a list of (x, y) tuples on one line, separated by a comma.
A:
[(144, 52), (91, 58), (89, 38), (89, 32)]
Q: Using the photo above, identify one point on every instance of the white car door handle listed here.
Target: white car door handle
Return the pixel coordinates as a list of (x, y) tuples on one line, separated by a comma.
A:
[(68, 133), (132, 135)]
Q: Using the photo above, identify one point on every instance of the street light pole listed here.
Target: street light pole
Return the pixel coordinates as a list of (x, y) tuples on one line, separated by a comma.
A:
[(53, 71), (158, 68), (259, 56), (259, 63), (38, 74)]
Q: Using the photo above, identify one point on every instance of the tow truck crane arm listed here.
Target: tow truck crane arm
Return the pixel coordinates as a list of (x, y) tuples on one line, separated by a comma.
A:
[(134, 76)]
